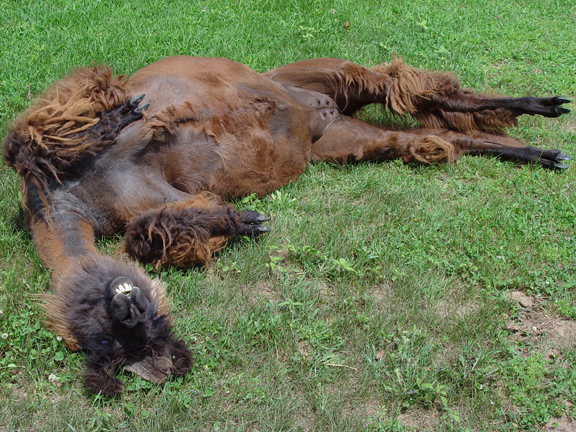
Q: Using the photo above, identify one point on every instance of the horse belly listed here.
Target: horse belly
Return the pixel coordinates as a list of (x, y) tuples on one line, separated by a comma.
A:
[(255, 134), (263, 157)]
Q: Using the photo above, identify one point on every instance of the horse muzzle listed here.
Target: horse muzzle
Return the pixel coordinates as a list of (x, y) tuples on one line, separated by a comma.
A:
[(129, 305)]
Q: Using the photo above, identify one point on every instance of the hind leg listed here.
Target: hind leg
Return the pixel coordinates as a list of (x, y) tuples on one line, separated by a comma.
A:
[(187, 232), (436, 99), (490, 145), (349, 139)]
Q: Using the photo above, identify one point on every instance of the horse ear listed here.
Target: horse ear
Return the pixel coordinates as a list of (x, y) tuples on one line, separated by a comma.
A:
[(181, 358), (167, 357)]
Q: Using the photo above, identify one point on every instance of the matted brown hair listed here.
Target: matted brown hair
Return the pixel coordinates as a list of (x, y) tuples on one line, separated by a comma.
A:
[(47, 138)]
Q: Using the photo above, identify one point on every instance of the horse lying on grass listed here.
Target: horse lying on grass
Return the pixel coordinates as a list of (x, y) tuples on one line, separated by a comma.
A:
[(94, 159)]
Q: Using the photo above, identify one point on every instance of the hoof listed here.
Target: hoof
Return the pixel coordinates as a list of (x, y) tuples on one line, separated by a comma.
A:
[(252, 217), (142, 108), (130, 112), (249, 223), (261, 218), (562, 156), (561, 110), (136, 100), (560, 166), (548, 106), (561, 100), (130, 105), (261, 229)]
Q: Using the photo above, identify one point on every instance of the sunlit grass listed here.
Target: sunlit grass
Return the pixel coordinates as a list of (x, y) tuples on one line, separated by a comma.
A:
[(378, 301)]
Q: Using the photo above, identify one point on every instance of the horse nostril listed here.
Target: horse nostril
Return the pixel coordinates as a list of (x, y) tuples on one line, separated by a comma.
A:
[(129, 305), (126, 312), (120, 307), (138, 299)]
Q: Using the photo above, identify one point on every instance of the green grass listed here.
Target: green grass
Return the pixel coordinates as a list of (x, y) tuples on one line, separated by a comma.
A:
[(378, 301)]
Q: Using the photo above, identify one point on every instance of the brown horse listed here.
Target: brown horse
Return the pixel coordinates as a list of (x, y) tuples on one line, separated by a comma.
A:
[(94, 161)]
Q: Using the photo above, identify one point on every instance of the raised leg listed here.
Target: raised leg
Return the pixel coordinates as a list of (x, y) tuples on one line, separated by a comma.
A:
[(436, 99), (54, 148), (349, 139), (188, 232)]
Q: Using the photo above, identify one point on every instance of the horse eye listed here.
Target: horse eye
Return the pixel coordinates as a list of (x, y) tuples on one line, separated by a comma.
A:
[(103, 341), (155, 317)]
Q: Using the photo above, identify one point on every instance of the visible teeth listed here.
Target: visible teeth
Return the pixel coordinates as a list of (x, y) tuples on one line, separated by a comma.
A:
[(124, 288)]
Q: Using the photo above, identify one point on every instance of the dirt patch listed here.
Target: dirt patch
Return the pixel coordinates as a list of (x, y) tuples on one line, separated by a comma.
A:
[(455, 310), (257, 291), (326, 291), (455, 305), (414, 420), (420, 420), (522, 299), (380, 292), (538, 331), (563, 424), (381, 300), (304, 348)]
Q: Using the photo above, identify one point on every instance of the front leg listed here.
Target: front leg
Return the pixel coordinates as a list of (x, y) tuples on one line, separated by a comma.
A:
[(112, 122), (187, 232), (47, 144), (109, 309)]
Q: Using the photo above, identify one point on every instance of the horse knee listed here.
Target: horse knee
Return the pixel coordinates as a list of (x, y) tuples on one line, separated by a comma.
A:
[(169, 236), (183, 234)]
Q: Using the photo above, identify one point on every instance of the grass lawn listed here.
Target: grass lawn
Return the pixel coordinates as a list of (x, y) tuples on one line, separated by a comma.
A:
[(380, 301)]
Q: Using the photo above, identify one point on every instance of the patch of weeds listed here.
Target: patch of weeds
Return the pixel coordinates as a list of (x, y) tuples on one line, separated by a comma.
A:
[(248, 389), (212, 353), (26, 347), (275, 259), (137, 384), (406, 370), (100, 420), (311, 260), (317, 339), (320, 263), (524, 381), (230, 267), (378, 424), (474, 370), (341, 265), (280, 199), (259, 329), (320, 337), (250, 202)]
